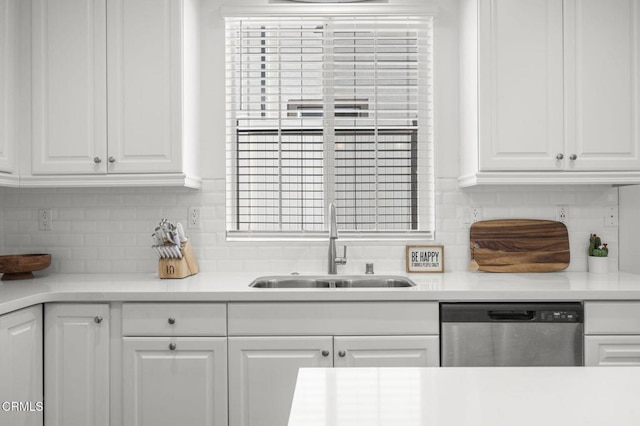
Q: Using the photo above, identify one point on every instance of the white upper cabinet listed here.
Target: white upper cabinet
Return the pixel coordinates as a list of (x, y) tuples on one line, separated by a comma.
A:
[(7, 41), (144, 57), (69, 86), (520, 84), (602, 83), (550, 91), (113, 81)]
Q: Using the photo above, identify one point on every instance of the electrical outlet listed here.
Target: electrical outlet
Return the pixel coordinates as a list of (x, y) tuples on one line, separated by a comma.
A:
[(611, 216), (562, 214), (193, 217), (45, 221), (475, 214)]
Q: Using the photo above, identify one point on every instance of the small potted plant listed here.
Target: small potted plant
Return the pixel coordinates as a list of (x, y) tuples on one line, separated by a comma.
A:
[(598, 255)]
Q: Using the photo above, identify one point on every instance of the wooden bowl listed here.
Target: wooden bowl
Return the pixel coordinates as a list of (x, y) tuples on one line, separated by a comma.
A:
[(21, 266)]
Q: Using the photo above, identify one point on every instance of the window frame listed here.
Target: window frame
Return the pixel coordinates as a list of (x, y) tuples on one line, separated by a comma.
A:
[(426, 191)]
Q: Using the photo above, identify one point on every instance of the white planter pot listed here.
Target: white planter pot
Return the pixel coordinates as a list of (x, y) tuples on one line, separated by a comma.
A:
[(598, 265)]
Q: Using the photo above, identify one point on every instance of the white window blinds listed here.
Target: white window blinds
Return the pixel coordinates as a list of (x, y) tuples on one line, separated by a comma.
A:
[(324, 110)]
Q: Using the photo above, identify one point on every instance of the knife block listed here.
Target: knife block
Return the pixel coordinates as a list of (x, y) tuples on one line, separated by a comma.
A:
[(179, 268)]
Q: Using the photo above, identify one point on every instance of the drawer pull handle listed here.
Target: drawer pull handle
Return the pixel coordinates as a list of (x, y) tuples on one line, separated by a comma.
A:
[(172, 346), (325, 353), (172, 320), (559, 156), (573, 157), (97, 319), (342, 354)]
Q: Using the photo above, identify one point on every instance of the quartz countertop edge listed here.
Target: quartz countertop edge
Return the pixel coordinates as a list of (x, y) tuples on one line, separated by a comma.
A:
[(234, 287)]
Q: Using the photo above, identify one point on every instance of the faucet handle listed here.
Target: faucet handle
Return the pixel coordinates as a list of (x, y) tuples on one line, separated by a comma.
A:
[(342, 260)]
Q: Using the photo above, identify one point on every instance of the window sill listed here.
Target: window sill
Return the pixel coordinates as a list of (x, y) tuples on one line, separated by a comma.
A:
[(247, 236)]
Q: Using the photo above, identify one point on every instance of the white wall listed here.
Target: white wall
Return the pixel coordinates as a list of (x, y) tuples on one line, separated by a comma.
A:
[(108, 230), (630, 238), (1, 222)]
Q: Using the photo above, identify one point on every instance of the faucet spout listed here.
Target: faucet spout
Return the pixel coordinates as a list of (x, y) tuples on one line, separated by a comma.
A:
[(333, 227), (334, 260)]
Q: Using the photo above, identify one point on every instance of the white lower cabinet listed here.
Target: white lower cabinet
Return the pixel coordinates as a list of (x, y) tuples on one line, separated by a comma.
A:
[(269, 342), (612, 333), (263, 372), (21, 367), (386, 351), (76, 364), (611, 350), (174, 381), (174, 364)]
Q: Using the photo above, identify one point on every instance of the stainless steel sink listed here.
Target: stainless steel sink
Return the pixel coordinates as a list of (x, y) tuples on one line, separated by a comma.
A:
[(331, 281)]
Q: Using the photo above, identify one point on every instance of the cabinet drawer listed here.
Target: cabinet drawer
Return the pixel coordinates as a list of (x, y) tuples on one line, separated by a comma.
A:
[(611, 350), (174, 319), (333, 318), (612, 317)]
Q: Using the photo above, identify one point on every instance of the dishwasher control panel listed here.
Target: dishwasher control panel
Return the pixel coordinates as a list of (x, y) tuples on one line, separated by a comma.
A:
[(559, 316), (512, 312)]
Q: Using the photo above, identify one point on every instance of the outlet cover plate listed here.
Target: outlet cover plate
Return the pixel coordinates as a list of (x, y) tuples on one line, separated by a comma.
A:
[(562, 214), (45, 220), (611, 216), (193, 218)]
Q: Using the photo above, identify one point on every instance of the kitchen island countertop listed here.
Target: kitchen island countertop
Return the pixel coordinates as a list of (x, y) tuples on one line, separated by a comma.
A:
[(234, 287), (496, 396)]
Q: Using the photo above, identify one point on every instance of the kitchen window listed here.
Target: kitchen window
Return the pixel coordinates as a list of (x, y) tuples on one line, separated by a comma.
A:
[(329, 109)]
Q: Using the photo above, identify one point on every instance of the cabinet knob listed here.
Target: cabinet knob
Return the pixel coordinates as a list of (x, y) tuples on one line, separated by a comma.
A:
[(559, 156), (325, 353), (112, 160), (97, 160), (171, 320), (172, 346), (342, 354), (573, 157), (97, 319)]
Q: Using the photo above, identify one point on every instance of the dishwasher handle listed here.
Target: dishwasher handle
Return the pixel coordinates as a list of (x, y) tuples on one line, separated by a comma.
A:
[(511, 315)]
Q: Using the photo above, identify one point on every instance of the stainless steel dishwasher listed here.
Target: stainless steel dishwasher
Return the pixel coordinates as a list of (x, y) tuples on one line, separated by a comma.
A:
[(511, 334)]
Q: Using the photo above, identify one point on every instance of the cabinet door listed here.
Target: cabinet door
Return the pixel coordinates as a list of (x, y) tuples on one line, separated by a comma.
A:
[(520, 84), (386, 351), (186, 385), (611, 350), (602, 83), (69, 86), (263, 373), (21, 366), (76, 365), (145, 85), (7, 34)]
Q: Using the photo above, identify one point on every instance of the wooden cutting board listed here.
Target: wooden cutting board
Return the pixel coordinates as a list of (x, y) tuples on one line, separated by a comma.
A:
[(519, 245)]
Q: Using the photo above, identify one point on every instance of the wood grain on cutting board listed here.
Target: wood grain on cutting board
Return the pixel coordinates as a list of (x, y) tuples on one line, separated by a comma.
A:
[(519, 245)]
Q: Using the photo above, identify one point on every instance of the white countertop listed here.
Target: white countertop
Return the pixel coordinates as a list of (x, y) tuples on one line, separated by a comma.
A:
[(495, 396), (230, 287)]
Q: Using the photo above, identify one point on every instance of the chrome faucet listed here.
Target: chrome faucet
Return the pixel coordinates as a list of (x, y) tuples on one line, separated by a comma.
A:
[(334, 260)]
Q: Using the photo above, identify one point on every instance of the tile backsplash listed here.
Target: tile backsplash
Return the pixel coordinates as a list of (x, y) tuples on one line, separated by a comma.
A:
[(106, 230)]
